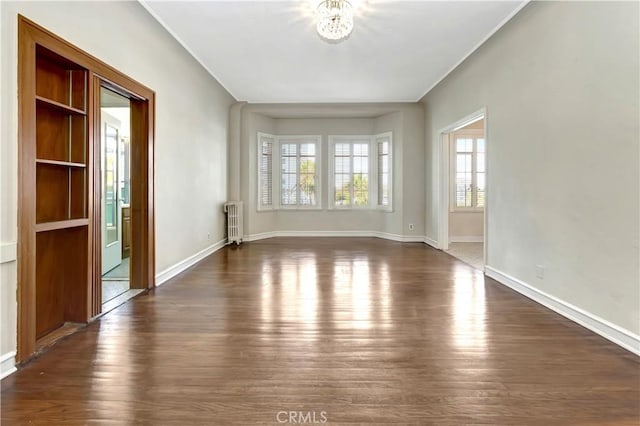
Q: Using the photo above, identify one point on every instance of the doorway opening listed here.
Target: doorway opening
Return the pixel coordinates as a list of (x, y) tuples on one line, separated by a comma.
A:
[(464, 190), (60, 191), (115, 162)]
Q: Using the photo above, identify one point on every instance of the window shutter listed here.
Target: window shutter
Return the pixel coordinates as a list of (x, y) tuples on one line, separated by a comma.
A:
[(266, 172), (383, 172)]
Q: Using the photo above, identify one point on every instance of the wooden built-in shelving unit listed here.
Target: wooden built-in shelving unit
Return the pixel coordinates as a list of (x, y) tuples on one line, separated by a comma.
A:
[(61, 191), (60, 185)]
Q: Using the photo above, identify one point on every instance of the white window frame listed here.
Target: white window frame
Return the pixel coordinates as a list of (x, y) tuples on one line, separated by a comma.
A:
[(274, 140), (469, 134), (372, 141), (276, 169), (376, 140), (287, 139)]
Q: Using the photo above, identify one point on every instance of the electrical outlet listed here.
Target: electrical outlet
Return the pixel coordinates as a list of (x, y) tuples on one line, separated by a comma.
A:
[(411, 227), (208, 235), (540, 272)]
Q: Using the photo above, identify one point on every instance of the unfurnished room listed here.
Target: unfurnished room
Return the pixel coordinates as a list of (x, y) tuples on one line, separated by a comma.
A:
[(320, 212)]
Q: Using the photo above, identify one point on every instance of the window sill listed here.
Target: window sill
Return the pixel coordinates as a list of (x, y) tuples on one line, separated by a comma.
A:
[(359, 209), (466, 210), (291, 209)]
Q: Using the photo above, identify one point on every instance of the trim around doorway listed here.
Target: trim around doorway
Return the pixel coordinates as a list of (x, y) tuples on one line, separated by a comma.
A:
[(30, 37), (444, 174)]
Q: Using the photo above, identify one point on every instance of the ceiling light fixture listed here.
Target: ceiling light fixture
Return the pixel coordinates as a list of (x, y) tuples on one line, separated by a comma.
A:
[(335, 19)]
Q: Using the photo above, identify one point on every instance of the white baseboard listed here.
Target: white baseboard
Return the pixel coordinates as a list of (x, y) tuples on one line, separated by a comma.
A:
[(8, 252), (312, 234), (174, 270), (259, 236), (353, 234), (400, 238), (604, 328), (467, 239), (7, 364), (433, 243)]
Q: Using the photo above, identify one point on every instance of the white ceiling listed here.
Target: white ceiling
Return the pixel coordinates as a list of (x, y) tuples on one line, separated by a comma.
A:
[(268, 51)]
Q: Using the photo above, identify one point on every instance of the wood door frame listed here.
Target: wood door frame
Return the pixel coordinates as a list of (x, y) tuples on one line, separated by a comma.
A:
[(143, 240)]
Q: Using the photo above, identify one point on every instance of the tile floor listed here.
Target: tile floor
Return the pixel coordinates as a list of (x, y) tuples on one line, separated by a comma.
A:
[(470, 253)]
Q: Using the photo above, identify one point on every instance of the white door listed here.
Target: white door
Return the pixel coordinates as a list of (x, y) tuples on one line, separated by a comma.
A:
[(111, 205)]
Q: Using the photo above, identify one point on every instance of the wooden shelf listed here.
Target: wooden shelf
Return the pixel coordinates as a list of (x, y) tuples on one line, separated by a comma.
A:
[(59, 106), (60, 163), (60, 136), (62, 224)]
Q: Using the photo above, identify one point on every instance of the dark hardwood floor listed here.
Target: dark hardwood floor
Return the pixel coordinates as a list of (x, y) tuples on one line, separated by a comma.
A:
[(356, 330)]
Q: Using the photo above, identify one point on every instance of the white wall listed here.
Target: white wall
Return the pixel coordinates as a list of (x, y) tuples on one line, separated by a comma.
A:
[(466, 224), (7, 239), (251, 124), (412, 170), (406, 121), (560, 84), (191, 126)]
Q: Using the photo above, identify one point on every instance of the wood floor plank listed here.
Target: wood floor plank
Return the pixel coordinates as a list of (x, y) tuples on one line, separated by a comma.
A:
[(365, 330)]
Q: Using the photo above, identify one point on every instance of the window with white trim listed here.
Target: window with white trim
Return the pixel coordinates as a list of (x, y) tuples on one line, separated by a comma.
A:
[(298, 173), (360, 173), (296, 183), (265, 170), (383, 143), (468, 167)]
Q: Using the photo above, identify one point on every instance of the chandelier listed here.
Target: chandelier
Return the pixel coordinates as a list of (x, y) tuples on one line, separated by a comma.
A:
[(335, 19)]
